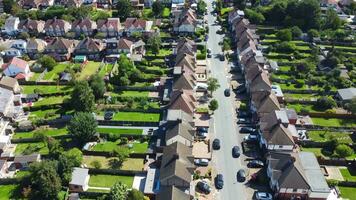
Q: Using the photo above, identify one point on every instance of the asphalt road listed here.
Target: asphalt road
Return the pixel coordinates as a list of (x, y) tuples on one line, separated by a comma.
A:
[(225, 127)]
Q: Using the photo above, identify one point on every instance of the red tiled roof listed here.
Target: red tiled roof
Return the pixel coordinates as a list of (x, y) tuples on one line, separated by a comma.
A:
[(17, 62), (20, 76), (124, 43), (135, 22)]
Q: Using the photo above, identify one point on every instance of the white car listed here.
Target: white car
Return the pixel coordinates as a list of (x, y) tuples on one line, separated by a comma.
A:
[(263, 196), (250, 138), (201, 162)]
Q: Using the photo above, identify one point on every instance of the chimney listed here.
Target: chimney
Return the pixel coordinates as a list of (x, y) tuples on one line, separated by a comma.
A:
[(175, 156)]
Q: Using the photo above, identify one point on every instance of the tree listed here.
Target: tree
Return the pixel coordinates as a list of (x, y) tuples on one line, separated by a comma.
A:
[(82, 127), (213, 85), (343, 150), (97, 84), (213, 105), (351, 107), (118, 191), (124, 9), (284, 35), (47, 62), (24, 35), (7, 4), (135, 195), (96, 164), (121, 156), (332, 20), (82, 98), (155, 44), (240, 4), (44, 180), (157, 8), (54, 148), (296, 32), (312, 33), (201, 7), (325, 103), (67, 161), (254, 17)]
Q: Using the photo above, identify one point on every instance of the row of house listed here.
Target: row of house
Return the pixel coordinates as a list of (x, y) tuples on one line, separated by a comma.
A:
[(110, 27), (293, 174)]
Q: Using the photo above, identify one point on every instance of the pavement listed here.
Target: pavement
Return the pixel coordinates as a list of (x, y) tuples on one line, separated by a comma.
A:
[(224, 120)]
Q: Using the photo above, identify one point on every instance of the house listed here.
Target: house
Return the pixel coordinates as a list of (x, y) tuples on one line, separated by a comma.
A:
[(6, 103), (60, 49), (5, 142), (123, 45), (133, 25), (35, 4), (84, 26), (91, 48), (184, 100), (23, 161), (56, 27), (330, 4), (80, 180), (185, 82), (185, 46), (296, 175), (35, 47), (178, 116), (260, 82), (69, 3), (139, 48), (103, 3), (346, 95), (110, 27), (268, 104), (186, 22), (172, 193), (3, 168), (276, 89), (16, 48), (86, 2), (136, 4), (185, 63), (11, 25), (10, 84), (32, 27), (180, 132), (17, 68), (177, 166), (235, 15)]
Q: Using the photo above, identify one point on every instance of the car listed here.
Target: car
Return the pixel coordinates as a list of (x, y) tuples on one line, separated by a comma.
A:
[(219, 181), (241, 175), (222, 57), (244, 121), (247, 130), (255, 164), (208, 50), (216, 144), (244, 114), (108, 115), (206, 38), (236, 152), (201, 162), (250, 138), (241, 87), (263, 196), (241, 91), (201, 135), (209, 55), (227, 92), (202, 129), (204, 187)]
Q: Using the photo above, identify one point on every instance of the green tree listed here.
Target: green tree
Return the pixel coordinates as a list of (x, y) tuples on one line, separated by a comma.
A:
[(312, 33), (325, 103), (82, 127), (213, 105), (82, 98), (254, 17), (44, 180), (343, 151), (24, 35), (213, 85), (7, 4), (201, 7), (296, 32), (97, 84), (240, 4), (332, 20), (47, 62), (124, 9), (96, 164), (351, 107), (121, 155), (284, 35), (67, 161), (118, 191), (157, 8), (54, 148), (155, 44), (135, 195)]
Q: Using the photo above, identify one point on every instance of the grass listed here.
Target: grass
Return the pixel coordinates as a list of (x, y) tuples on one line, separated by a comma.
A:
[(6, 191), (147, 13), (129, 164), (349, 174), (162, 52), (291, 87), (347, 192), (226, 10), (37, 147), (109, 180), (301, 96), (166, 12), (136, 116), (325, 135), (334, 122), (45, 89), (298, 107), (35, 76), (111, 146), (320, 153), (47, 131), (88, 70), (21, 174), (120, 131), (53, 74), (106, 69), (131, 94), (51, 100)]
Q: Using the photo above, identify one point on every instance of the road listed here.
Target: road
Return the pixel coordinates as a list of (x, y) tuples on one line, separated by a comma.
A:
[(225, 127)]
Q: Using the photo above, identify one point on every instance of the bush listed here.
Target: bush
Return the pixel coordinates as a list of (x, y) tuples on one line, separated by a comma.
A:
[(96, 164), (285, 47), (304, 110), (299, 83), (342, 151), (313, 33), (254, 17), (47, 62), (296, 32), (284, 35), (325, 103)]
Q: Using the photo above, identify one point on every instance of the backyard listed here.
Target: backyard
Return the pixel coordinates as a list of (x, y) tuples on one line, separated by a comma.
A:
[(6, 191), (108, 146), (325, 135), (53, 74), (45, 89), (135, 116), (348, 173), (109, 180), (108, 162), (29, 148), (333, 122), (130, 131), (130, 94), (319, 152), (46, 131), (347, 192), (88, 70)]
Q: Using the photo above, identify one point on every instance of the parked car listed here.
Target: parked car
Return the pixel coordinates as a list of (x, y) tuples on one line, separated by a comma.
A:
[(255, 164), (236, 152), (241, 175), (263, 196), (250, 138), (241, 91), (227, 92), (202, 129), (244, 114), (242, 86), (222, 57), (108, 115), (247, 130), (206, 38), (209, 55), (219, 181), (216, 144), (204, 187), (244, 121), (202, 135), (208, 50), (201, 162)]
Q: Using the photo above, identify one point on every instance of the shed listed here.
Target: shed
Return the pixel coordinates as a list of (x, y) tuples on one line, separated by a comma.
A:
[(80, 58), (80, 179), (23, 161), (346, 94)]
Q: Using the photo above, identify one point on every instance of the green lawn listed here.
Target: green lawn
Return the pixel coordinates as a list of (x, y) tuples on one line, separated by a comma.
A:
[(20, 174), (45, 89), (6, 191), (334, 122), (226, 10), (162, 52), (325, 135), (130, 94), (37, 147), (166, 12), (136, 116), (107, 162), (120, 131), (347, 192), (147, 13), (51, 100), (106, 69), (53, 74), (47, 131), (34, 76), (301, 96), (111, 146), (349, 174), (298, 107), (320, 153), (109, 180), (88, 70)]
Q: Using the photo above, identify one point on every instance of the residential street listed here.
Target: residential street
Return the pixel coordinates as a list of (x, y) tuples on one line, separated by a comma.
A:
[(225, 127)]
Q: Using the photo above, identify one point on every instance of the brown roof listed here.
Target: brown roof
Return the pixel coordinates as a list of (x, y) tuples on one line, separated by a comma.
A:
[(246, 42), (135, 23), (185, 81), (81, 23), (182, 129), (171, 193), (268, 104), (90, 44), (241, 25), (252, 71), (261, 82), (37, 44), (273, 118), (61, 43), (184, 100), (9, 83), (278, 135), (27, 158), (185, 59), (32, 25), (124, 44), (54, 23), (110, 22)]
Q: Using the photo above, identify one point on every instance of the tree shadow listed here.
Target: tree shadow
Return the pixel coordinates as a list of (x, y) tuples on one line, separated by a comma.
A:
[(115, 163)]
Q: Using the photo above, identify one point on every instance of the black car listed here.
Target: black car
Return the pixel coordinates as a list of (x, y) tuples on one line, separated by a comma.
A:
[(244, 114), (202, 129), (255, 164), (204, 187), (219, 181), (235, 151), (241, 175), (209, 55), (242, 86), (227, 92), (108, 115), (244, 121), (241, 91), (216, 144), (222, 57), (247, 130)]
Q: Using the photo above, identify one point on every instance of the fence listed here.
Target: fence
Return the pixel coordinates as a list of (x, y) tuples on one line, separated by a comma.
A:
[(318, 127), (336, 162), (127, 123), (110, 154), (332, 115), (114, 172)]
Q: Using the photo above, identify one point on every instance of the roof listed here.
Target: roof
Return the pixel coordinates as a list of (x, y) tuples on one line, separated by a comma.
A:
[(110, 22), (184, 100), (10, 21), (81, 23), (181, 129), (79, 176), (185, 81), (9, 83), (55, 22), (16, 62), (5, 100), (2, 163), (27, 158), (31, 24), (60, 43), (268, 104), (261, 82), (151, 181), (135, 23), (278, 135), (175, 115), (35, 43), (268, 121), (90, 45), (124, 44), (172, 193), (347, 93)]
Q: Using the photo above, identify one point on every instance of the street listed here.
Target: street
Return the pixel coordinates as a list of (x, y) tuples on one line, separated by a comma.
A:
[(225, 127)]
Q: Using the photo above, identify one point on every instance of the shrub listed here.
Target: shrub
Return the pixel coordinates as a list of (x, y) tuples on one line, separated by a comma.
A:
[(304, 110), (325, 103), (313, 33), (299, 83), (342, 150), (285, 47), (96, 164), (254, 17), (296, 32), (284, 35)]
